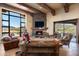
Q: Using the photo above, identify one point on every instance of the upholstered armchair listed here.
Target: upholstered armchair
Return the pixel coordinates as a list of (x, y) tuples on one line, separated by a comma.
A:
[(66, 39)]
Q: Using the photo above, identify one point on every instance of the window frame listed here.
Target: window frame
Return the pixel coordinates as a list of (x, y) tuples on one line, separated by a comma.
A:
[(9, 15)]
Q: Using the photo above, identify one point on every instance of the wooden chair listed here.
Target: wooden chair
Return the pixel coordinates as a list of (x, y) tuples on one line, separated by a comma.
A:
[(66, 39)]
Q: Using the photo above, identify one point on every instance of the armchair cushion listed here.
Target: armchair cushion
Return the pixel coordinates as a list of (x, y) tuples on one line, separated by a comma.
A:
[(66, 39)]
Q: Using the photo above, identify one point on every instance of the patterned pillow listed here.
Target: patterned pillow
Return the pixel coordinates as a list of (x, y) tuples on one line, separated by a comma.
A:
[(7, 38)]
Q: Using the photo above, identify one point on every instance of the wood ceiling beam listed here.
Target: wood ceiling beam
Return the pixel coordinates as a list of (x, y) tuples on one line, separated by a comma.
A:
[(34, 9), (53, 12), (66, 7), (12, 7)]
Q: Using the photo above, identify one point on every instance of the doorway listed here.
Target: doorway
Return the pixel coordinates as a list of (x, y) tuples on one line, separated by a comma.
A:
[(67, 26)]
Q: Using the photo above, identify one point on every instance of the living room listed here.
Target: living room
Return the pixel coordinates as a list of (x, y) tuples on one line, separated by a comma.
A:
[(37, 20)]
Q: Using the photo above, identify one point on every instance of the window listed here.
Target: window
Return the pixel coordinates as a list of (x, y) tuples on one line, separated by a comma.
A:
[(63, 28), (12, 22), (22, 24), (5, 17), (5, 29), (14, 25), (5, 23), (15, 14), (59, 27)]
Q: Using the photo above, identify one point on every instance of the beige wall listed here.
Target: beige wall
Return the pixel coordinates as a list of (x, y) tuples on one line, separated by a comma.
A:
[(29, 23), (0, 22), (61, 15)]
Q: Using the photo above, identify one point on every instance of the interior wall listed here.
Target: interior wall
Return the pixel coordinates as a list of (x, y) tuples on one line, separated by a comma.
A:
[(0, 22), (29, 24), (61, 15)]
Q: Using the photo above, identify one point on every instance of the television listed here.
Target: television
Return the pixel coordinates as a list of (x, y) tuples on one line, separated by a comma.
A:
[(39, 24)]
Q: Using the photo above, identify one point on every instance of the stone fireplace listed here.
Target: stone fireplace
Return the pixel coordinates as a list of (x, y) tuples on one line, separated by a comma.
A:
[(39, 24)]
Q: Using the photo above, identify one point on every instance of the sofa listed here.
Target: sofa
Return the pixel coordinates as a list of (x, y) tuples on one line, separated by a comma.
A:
[(9, 43), (42, 47)]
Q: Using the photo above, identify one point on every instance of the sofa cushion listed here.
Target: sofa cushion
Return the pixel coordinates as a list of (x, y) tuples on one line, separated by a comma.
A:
[(5, 38)]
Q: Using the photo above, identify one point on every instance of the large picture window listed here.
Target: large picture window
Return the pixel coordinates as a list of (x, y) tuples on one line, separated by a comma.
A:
[(12, 22), (63, 28)]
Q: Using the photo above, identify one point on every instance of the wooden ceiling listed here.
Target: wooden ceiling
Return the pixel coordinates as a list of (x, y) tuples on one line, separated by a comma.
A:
[(41, 7)]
